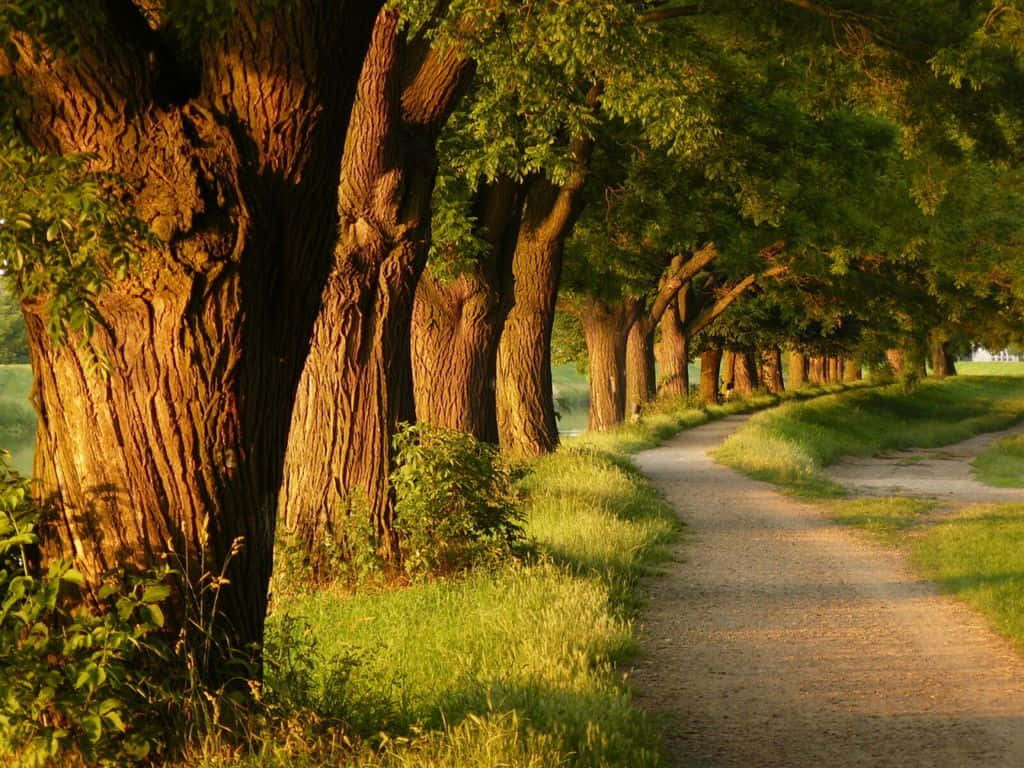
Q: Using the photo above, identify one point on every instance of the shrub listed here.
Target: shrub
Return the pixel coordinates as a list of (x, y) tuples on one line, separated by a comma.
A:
[(455, 503), (76, 678)]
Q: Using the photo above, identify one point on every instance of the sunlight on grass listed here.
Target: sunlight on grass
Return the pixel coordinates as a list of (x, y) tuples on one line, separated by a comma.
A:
[(515, 666), (1002, 465), (886, 518), (791, 444), (978, 556)]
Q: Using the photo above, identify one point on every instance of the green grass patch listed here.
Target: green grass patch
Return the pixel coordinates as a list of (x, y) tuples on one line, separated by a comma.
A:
[(885, 518), (790, 445), (978, 556), (1002, 465), (507, 667), (990, 369)]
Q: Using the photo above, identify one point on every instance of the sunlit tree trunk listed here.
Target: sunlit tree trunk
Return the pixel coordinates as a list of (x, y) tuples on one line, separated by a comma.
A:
[(943, 362), (797, 370), (673, 351), (771, 370), (710, 363), (640, 386), (852, 369), (605, 328), (181, 446), (817, 370), (529, 288), (357, 382), (744, 374)]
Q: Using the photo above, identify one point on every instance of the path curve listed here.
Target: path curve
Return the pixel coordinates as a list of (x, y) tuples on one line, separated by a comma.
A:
[(938, 473), (780, 639)]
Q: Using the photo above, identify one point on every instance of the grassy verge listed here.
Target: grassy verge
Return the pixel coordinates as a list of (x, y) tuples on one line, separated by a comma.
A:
[(977, 555), (990, 369), (511, 667), (1002, 465), (791, 445)]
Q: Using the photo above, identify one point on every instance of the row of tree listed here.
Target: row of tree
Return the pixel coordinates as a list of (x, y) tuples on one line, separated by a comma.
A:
[(252, 236)]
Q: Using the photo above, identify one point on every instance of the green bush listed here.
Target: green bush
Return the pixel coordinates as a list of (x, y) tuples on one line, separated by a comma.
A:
[(456, 507), (77, 676)]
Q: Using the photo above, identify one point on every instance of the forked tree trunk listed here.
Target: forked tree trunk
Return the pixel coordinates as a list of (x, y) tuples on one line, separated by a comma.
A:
[(744, 374), (357, 382), (181, 447), (771, 370), (710, 363), (525, 402), (852, 369), (797, 370), (605, 329), (456, 326), (673, 353)]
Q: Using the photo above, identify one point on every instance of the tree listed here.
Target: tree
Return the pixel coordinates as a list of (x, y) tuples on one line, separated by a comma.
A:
[(226, 131)]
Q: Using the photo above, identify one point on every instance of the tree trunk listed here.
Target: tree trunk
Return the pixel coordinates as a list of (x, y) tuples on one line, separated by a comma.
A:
[(797, 370), (896, 360), (180, 448), (710, 363), (852, 369), (357, 382), (456, 326), (525, 402), (454, 341), (728, 366), (606, 329), (835, 369), (744, 374), (943, 363), (640, 386), (817, 369), (771, 370), (673, 352)]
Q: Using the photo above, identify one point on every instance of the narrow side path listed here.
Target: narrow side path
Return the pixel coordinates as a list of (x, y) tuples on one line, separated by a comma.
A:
[(940, 473), (781, 639)]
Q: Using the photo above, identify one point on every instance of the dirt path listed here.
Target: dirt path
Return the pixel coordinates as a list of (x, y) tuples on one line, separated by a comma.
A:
[(780, 639), (940, 473)]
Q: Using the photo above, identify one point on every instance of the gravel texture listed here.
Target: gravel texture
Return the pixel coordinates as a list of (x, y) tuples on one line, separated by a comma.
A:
[(777, 638)]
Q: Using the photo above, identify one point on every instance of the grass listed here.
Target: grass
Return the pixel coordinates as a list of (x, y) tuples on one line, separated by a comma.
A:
[(978, 556), (886, 519), (517, 666), (514, 666), (990, 369), (790, 446), (1002, 465)]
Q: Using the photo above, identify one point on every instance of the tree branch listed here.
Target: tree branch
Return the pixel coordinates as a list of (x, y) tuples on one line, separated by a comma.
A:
[(705, 318), (683, 274)]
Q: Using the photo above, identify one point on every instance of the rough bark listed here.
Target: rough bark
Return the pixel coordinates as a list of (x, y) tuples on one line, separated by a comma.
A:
[(456, 326), (673, 351), (771, 370), (797, 370), (605, 328), (640, 371), (728, 367), (529, 288), (710, 363), (357, 382), (181, 447), (744, 374)]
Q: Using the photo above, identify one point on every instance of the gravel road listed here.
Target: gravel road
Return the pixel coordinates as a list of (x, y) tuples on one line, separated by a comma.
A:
[(777, 638)]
